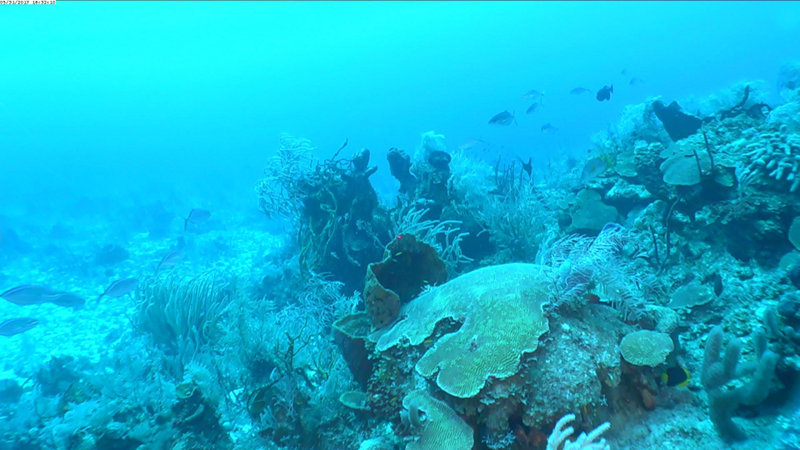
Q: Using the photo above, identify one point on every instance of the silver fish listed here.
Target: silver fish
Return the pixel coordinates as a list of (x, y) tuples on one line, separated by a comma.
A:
[(17, 325), (469, 144), (593, 168), (504, 118), (548, 128), (27, 294), (196, 216), (65, 299), (170, 259), (531, 109), (533, 93), (119, 288)]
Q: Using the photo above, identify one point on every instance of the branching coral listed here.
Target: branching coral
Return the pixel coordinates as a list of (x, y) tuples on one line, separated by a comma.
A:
[(518, 220), (279, 191), (582, 264), (772, 154), (592, 441), (443, 235), (295, 374), (333, 206)]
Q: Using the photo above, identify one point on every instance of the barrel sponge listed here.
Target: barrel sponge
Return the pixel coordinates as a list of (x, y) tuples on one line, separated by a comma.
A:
[(500, 312), (441, 427)]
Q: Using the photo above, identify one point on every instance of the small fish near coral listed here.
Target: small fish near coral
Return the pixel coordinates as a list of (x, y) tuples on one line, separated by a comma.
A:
[(675, 376), (504, 118), (119, 288), (594, 167), (605, 93), (17, 325), (170, 259)]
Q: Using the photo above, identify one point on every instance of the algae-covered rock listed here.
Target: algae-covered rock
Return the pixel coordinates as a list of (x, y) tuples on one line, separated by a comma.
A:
[(625, 164), (667, 320), (690, 295), (625, 192), (682, 170), (590, 213), (440, 428), (354, 400), (794, 233)]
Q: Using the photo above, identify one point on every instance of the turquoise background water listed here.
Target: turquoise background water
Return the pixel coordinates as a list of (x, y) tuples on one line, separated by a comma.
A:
[(105, 98)]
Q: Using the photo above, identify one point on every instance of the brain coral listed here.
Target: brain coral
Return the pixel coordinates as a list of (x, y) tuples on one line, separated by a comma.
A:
[(500, 312)]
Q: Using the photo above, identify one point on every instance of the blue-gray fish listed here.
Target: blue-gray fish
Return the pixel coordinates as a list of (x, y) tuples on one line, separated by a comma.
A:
[(120, 287), (27, 294), (548, 128), (605, 93), (579, 91), (65, 299), (469, 144), (170, 259), (593, 168), (531, 109), (196, 216), (532, 94), (504, 118), (17, 325)]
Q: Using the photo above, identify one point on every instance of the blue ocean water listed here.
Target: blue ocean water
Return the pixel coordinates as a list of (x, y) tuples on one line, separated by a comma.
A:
[(213, 153)]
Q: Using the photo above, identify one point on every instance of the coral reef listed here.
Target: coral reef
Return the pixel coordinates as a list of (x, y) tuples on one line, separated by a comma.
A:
[(333, 205), (490, 306), (772, 154)]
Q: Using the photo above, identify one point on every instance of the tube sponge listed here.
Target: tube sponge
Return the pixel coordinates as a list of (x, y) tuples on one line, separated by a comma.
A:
[(719, 370)]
